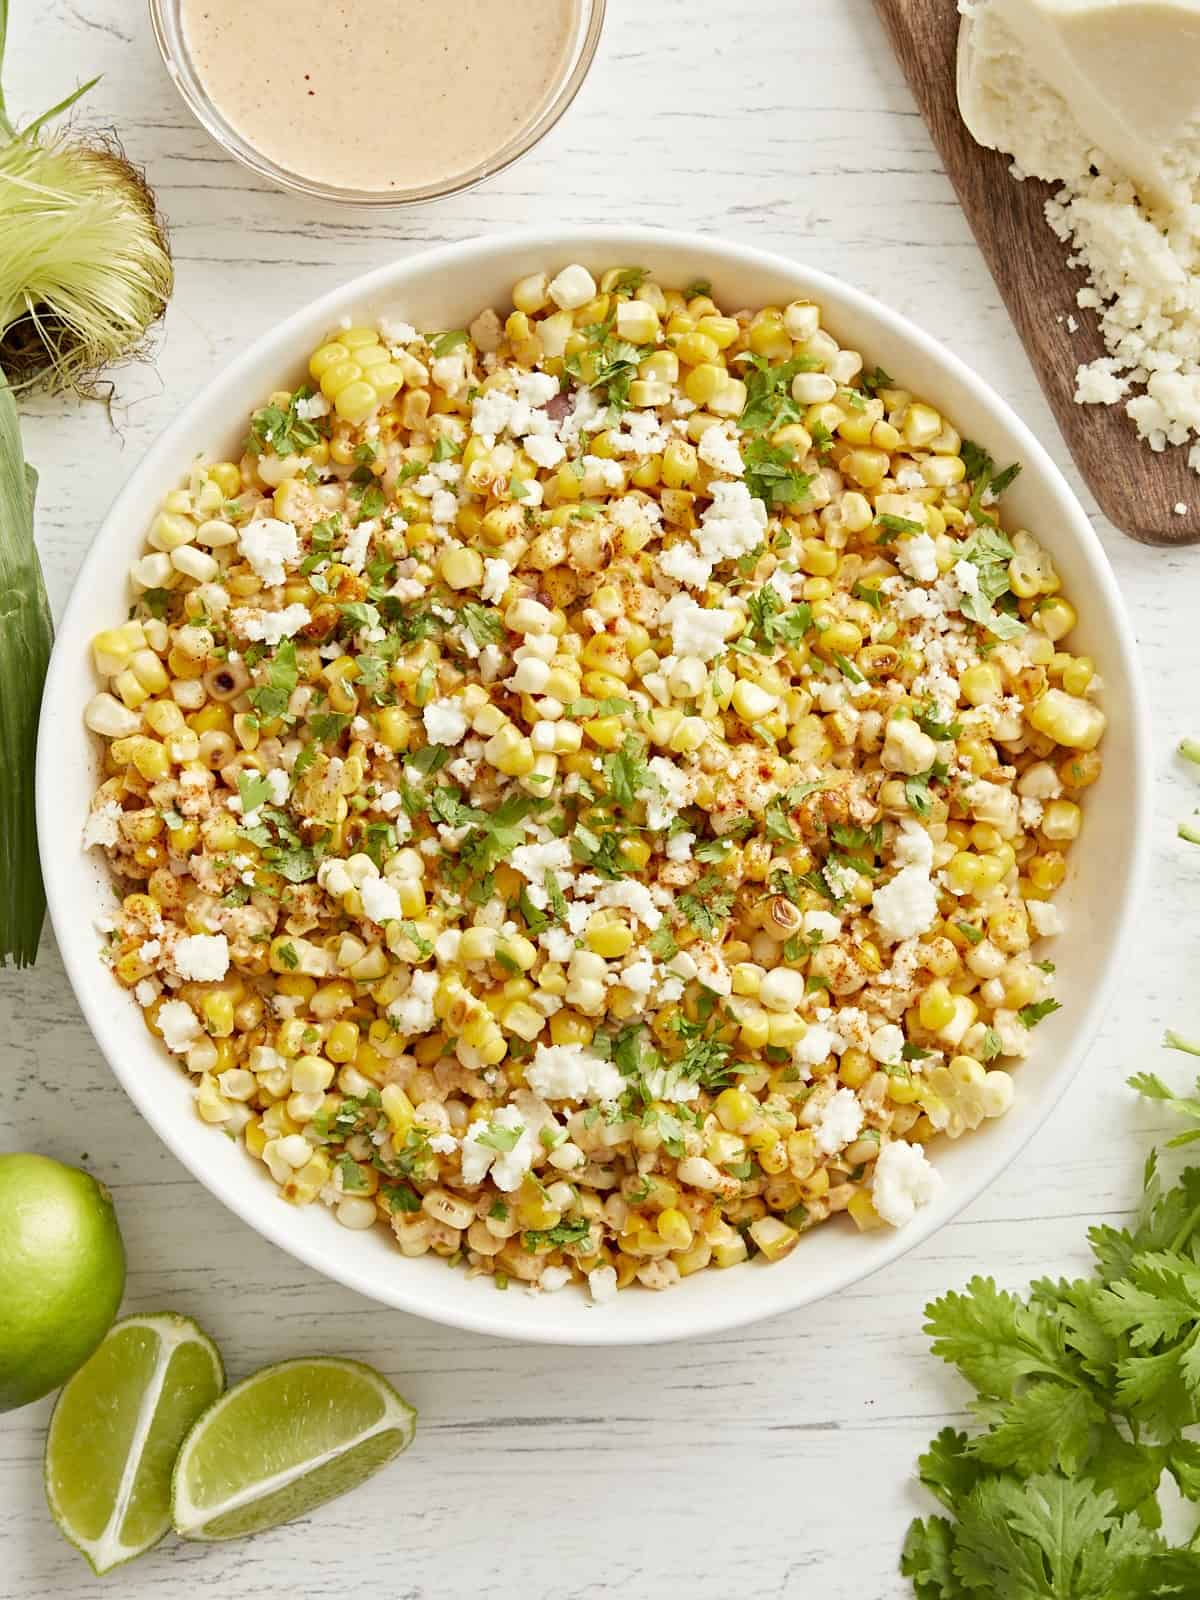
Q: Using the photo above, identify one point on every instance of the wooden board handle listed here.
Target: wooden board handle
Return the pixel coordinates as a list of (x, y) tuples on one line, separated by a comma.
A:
[(1136, 488)]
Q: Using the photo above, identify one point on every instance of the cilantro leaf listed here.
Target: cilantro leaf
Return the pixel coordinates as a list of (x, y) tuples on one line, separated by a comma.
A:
[(253, 789), (706, 906), (1031, 1015), (626, 773), (572, 1232), (282, 429), (443, 343), (772, 475), (270, 699)]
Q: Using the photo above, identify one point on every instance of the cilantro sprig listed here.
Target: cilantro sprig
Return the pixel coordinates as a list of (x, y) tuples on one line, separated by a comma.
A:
[(1085, 1388)]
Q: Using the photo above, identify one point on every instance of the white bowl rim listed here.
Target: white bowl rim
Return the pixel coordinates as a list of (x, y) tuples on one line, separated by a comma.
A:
[(773, 1292)]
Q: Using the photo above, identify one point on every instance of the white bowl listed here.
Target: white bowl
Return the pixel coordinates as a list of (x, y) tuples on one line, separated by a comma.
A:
[(440, 289)]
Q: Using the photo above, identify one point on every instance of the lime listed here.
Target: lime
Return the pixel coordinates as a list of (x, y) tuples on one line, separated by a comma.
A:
[(117, 1428), (286, 1439), (62, 1273)]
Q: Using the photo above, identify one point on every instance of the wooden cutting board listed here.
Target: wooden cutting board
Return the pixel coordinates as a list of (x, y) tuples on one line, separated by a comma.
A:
[(1136, 488)]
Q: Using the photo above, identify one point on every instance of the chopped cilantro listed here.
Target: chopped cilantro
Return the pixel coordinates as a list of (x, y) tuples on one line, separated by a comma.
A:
[(563, 1233), (772, 476), (626, 773), (891, 527), (482, 623), (1031, 1015), (706, 905), (287, 954), (629, 281), (329, 725), (282, 429), (443, 343), (497, 1137), (270, 700), (253, 790)]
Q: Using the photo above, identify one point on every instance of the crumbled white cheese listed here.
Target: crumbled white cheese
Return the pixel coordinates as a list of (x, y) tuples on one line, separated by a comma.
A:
[(380, 900), (270, 627), (918, 557), (1140, 249), (632, 896), (202, 957), (413, 1012), (905, 906), (572, 1072), (103, 826), (734, 524), (270, 546), (684, 563), (395, 331), (904, 1181), (358, 545), (312, 406), (1046, 918), (823, 923), (695, 630), (544, 450), (679, 846), (886, 1044), (719, 449), (533, 861), (279, 785), (602, 1282), (445, 722), (179, 1026), (913, 847), (671, 789), (840, 1122)]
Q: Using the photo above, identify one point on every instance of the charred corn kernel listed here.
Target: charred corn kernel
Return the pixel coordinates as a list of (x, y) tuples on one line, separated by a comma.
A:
[(704, 383), (1055, 617), (936, 1007), (216, 1012), (342, 1042), (510, 752), (610, 939), (854, 1068), (393, 727), (1061, 820), (774, 1237), (862, 1210), (607, 732), (981, 682), (461, 567), (399, 1111), (1068, 720), (674, 1227), (736, 1110)]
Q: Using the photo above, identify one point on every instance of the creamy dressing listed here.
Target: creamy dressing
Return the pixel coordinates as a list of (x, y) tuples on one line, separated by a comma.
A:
[(380, 94)]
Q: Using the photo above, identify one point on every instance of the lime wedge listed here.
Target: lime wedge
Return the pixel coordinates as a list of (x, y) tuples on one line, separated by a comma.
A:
[(117, 1428), (286, 1439)]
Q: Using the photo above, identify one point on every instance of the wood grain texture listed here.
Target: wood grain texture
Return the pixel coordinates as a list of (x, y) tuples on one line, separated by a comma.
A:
[(777, 1458), (1137, 488)]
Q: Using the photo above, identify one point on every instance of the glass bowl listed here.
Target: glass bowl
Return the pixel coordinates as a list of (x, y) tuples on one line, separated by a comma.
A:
[(167, 20)]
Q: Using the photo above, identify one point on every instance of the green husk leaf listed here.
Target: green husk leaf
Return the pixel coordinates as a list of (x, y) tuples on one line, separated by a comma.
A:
[(26, 633)]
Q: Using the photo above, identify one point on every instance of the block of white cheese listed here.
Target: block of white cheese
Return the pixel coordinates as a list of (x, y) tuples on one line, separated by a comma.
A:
[(1054, 81)]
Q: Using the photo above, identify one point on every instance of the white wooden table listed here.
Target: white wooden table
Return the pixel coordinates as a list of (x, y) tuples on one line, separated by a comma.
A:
[(776, 1461)]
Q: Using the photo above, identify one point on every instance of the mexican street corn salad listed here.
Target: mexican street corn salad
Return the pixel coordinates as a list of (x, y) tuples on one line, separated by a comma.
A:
[(585, 787)]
